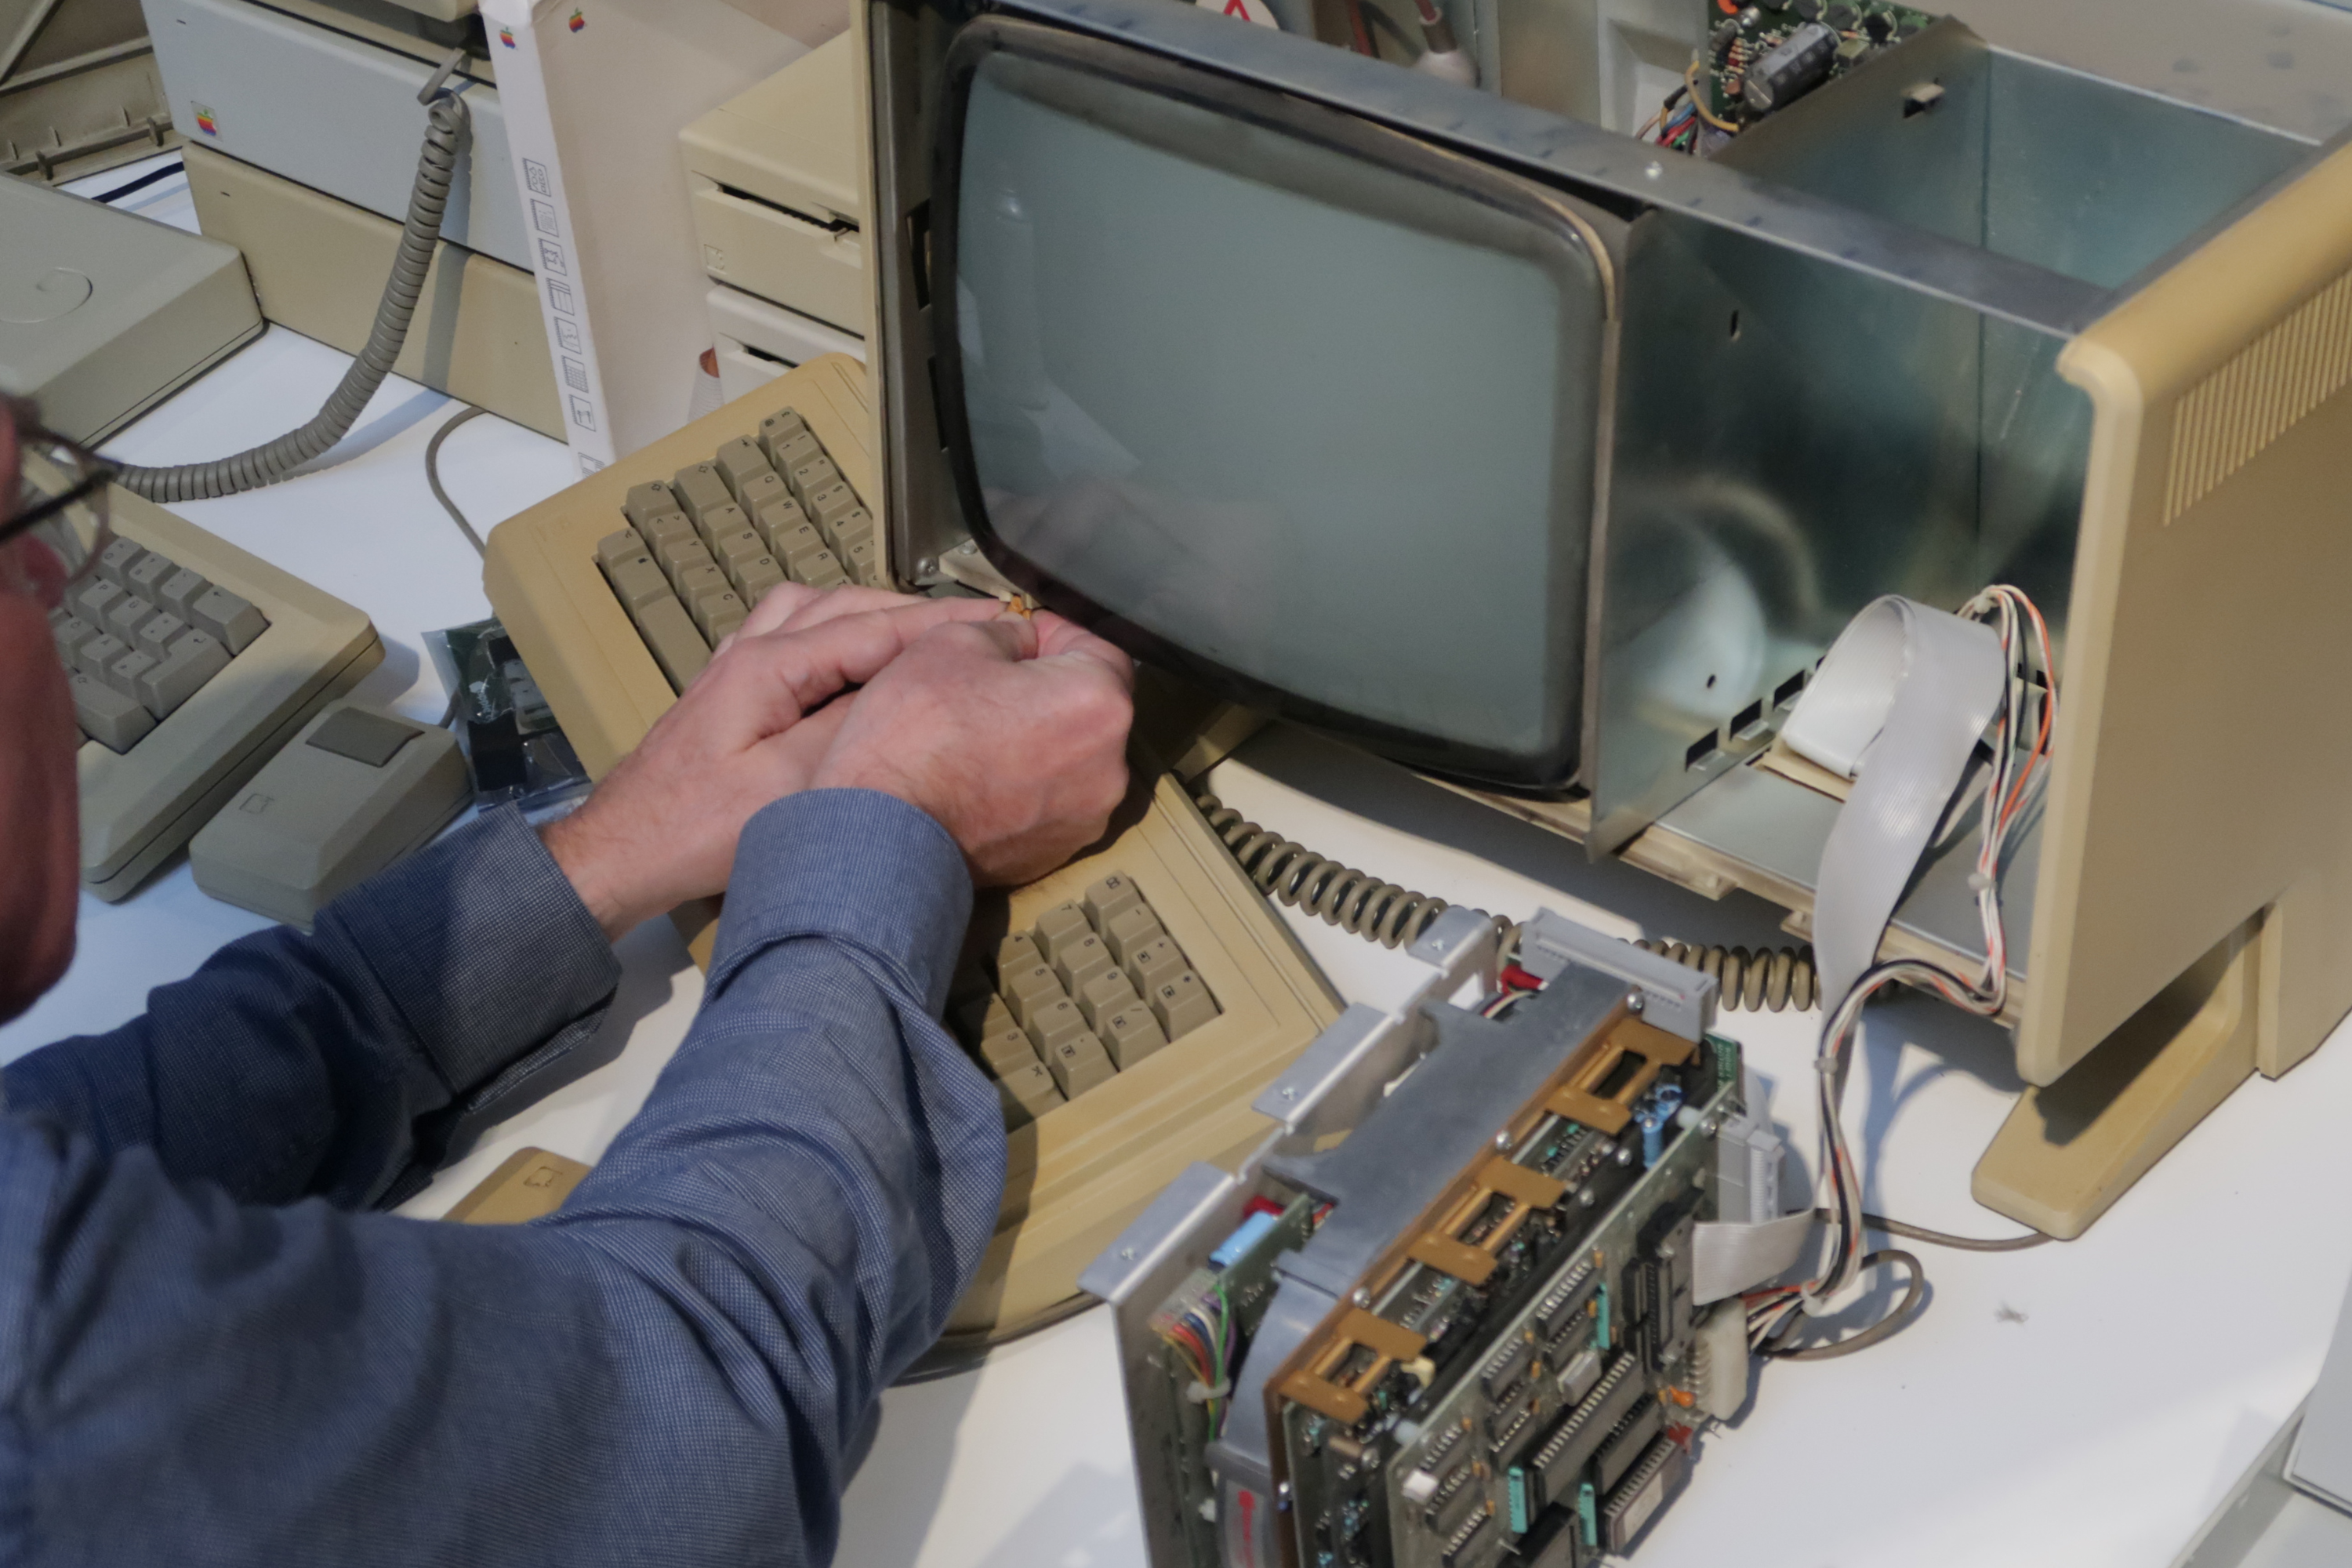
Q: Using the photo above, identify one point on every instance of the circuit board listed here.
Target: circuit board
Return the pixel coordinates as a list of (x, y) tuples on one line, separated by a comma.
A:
[(1759, 58), (1554, 1387), (1516, 1381)]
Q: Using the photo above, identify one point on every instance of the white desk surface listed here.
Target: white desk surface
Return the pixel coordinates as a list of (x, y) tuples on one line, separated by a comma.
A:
[(2081, 1405)]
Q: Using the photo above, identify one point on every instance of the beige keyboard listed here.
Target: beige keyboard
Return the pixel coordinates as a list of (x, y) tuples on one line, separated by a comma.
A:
[(1128, 1078), (191, 662)]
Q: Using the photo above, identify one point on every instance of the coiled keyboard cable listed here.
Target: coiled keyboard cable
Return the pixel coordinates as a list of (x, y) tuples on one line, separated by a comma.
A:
[(447, 125)]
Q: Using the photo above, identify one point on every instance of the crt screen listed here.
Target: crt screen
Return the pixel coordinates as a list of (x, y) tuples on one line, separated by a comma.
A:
[(1321, 423)]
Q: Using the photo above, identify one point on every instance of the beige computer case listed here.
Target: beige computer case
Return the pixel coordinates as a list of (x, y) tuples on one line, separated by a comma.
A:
[(2201, 810)]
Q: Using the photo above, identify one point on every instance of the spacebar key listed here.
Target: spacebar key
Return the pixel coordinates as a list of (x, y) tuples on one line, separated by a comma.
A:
[(677, 646)]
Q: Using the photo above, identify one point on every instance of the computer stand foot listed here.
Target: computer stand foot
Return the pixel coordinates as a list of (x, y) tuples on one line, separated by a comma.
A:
[(2072, 1148)]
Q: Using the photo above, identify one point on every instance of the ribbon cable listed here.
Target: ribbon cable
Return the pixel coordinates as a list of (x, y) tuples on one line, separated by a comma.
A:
[(1938, 680)]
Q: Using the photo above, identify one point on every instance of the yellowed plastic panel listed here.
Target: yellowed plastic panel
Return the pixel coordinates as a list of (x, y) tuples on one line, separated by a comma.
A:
[(2201, 762), (319, 267)]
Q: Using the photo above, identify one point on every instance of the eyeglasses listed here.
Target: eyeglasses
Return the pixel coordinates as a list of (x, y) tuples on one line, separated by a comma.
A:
[(59, 476)]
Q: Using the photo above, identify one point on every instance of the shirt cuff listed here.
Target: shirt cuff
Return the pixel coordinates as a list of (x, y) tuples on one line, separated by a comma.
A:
[(482, 944), (855, 865)]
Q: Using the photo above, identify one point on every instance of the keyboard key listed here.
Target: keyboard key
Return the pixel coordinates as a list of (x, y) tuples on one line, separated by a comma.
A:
[(228, 617), (1026, 1094), (776, 519), (1182, 1005), (71, 631), (718, 614), (983, 1016), (1107, 993), (649, 500), (853, 525), (94, 598), (1079, 1064), (717, 521), (619, 545), (694, 582), (780, 425), (698, 486), (762, 488), (798, 447), (810, 474), (1017, 951), (755, 577), (1081, 961), (123, 673), (739, 460), (1060, 926), (106, 715), (158, 632), (862, 563), (821, 571), (1052, 1022), (194, 658), (127, 615), (95, 657), (666, 528), (1007, 1049), (1154, 964), (120, 557), (732, 550), (797, 546), (148, 575), (830, 504), (673, 641), (683, 555), (1029, 990), (1130, 1035), (1126, 931), (1109, 898), (637, 581), (181, 589)]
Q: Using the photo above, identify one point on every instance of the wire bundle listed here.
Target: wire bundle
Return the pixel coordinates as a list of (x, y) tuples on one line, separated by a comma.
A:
[(1774, 1314), (1203, 1334)]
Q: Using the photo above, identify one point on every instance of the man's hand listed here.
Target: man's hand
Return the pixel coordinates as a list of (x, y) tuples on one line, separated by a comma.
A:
[(1011, 732), (751, 729)]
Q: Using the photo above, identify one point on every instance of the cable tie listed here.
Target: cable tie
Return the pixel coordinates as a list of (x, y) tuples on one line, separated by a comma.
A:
[(1201, 1393)]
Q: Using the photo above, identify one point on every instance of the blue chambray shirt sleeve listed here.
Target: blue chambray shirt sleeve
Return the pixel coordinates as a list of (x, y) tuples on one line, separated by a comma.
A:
[(672, 1369), (337, 1063)]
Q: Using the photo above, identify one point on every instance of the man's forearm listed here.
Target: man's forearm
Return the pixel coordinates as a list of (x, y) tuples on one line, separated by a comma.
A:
[(334, 1064)]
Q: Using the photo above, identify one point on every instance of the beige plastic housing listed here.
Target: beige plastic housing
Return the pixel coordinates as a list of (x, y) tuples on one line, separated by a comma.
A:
[(319, 264), (773, 174), (2198, 842), (140, 806)]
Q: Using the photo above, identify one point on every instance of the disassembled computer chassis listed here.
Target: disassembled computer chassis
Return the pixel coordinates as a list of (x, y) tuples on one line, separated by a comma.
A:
[(1396, 1133)]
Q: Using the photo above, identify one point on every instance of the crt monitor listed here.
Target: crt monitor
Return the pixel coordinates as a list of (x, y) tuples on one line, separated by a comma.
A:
[(1276, 396)]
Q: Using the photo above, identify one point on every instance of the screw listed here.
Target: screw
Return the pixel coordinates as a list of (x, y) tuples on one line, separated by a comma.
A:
[(926, 567), (1288, 1092), (1587, 1197), (1634, 1002), (1502, 1139), (1126, 1254), (1624, 1156), (1361, 1298), (1654, 169)]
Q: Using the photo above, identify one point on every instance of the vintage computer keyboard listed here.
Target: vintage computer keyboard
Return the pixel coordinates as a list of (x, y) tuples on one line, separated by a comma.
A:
[(191, 662), (1176, 992)]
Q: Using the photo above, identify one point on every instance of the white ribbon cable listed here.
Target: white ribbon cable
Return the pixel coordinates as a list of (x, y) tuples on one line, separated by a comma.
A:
[(1898, 705)]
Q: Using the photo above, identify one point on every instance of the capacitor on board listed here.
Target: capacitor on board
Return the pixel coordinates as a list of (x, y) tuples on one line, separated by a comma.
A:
[(1792, 70)]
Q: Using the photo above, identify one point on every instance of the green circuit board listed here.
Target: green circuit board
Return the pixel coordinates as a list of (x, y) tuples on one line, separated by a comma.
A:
[(1834, 37)]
